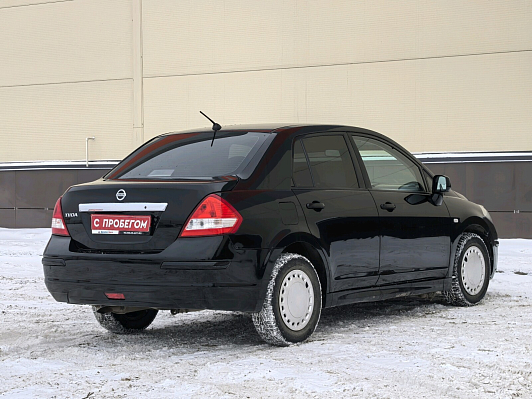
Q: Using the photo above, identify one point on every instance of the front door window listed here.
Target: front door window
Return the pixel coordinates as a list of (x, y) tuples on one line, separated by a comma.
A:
[(387, 168)]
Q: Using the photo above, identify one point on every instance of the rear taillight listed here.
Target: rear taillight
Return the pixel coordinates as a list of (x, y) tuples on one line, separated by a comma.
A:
[(213, 216), (112, 295), (58, 223)]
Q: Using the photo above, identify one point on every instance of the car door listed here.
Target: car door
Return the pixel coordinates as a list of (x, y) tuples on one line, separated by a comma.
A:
[(340, 213), (415, 233)]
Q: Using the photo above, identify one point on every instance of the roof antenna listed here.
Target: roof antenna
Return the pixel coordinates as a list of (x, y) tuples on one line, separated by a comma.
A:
[(215, 127)]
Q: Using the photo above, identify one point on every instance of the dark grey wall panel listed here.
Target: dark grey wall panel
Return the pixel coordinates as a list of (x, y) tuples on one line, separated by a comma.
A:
[(85, 176), (501, 187), (513, 225), (7, 189), (34, 193), (41, 188), (523, 181), (523, 225), (437, 168), (505, 224), (492, 184), (7, 218), (457, 173), (33, 218)]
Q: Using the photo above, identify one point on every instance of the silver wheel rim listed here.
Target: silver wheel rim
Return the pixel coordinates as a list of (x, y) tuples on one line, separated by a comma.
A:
[(473, 270), (296, 300)]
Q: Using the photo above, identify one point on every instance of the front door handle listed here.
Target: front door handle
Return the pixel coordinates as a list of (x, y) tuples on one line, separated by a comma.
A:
[(388, 206), (316, 205)]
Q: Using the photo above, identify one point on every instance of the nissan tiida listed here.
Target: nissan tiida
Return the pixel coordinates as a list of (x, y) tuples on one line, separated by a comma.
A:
[(278, 221)]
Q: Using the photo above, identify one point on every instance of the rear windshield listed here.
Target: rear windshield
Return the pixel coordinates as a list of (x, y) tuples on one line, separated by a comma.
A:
[(190, 155)]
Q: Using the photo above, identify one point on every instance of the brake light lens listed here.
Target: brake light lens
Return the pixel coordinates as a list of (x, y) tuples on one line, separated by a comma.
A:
[(58, 223), (112, 295), (213, 216)]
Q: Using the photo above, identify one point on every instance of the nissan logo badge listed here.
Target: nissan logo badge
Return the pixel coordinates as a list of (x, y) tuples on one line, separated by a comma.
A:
[(121, 194)]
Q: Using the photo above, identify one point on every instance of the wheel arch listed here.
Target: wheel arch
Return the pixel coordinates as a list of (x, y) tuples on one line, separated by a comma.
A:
[(303, 248), (304, 245), (479, 227)]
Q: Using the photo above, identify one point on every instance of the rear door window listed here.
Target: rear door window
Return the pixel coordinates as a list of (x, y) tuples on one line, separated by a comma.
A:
[(331, 164), (188, 155)]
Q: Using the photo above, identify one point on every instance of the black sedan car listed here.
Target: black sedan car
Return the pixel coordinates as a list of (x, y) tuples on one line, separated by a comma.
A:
[(277, 221)]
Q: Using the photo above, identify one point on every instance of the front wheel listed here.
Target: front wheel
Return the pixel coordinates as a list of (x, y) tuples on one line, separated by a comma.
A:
[(471, 271), (292, 307), (126, 323)]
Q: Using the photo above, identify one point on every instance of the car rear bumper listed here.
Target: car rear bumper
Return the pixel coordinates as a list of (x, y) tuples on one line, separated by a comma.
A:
[(161, 281)]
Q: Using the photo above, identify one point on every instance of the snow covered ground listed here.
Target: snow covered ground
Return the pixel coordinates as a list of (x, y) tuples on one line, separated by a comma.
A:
[(402, 348)]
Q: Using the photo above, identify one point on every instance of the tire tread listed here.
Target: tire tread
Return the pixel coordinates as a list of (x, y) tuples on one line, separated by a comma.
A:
[(455, 295), (265, 321)]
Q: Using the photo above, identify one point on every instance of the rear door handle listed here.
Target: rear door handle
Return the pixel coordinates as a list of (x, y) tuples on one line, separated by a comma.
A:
[(316, 205), (388, 206)]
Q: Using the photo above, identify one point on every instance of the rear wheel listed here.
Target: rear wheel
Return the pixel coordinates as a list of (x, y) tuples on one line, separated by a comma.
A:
[(292, 307), (126, 323), (470, 273)]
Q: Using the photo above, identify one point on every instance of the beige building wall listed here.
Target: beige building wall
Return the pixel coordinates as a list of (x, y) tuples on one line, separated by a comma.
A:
[(65, 74), (434, 75), (440, 75)]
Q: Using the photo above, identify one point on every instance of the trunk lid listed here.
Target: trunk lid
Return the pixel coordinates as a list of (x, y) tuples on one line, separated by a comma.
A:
[(165, 205)]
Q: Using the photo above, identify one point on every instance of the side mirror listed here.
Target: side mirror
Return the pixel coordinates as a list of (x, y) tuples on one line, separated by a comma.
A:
[(440, 184)]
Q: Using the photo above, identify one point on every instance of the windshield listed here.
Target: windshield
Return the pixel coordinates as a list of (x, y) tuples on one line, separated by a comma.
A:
[(190, 155)]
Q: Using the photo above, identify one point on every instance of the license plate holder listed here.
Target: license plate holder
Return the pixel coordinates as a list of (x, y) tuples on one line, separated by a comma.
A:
[(120, 224)]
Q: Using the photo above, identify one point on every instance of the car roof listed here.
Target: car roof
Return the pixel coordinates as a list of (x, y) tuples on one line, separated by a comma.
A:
[(260, 127), (292, 129)]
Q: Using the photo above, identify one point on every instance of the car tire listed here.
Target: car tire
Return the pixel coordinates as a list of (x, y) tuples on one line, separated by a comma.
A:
[(471, 272), (127, 323), (292, 306)]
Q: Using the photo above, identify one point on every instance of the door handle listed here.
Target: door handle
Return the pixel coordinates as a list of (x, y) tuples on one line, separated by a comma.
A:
[(388, 206), (316, 205)]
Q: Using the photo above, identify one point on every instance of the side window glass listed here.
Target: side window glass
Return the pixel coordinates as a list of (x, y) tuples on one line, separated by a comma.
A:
[(300, 169), (387, 168), (330, 162)]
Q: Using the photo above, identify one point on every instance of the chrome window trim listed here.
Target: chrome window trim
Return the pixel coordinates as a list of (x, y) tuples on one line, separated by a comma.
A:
[(124, 207)]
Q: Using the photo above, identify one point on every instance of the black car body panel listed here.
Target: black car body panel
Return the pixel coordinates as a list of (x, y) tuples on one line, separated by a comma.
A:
[(180, 277), (361, 250), (165, 225)]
